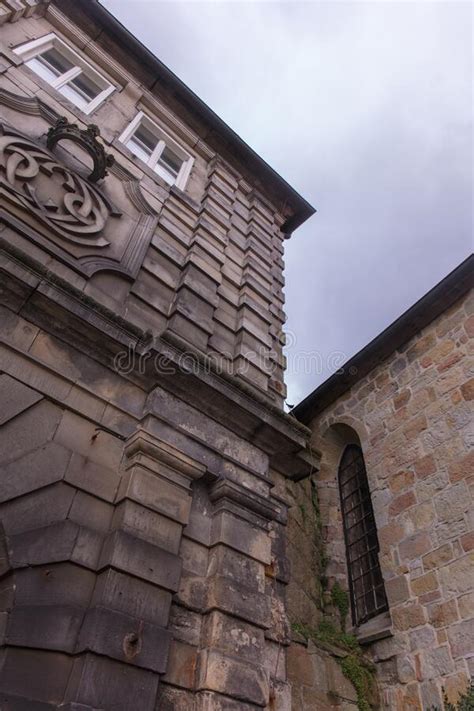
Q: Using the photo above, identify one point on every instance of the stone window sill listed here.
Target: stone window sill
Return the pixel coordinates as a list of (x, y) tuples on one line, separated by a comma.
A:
[(377, 628)]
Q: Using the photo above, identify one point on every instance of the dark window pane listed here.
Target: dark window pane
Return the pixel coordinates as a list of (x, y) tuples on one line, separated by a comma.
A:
[(170, 162), (146, 137), (55, 61), (365, 577), (86, 86)]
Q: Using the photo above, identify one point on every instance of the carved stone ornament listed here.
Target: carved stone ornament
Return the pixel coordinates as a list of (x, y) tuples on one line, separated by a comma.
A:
[(78, 212), (87, 139), (66, 214)]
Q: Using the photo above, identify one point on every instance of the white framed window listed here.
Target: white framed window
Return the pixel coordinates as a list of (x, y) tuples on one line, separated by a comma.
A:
[(145, 139), (66, 71)]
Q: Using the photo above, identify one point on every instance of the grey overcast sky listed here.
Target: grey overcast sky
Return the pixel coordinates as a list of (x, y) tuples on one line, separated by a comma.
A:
[(366, 109)]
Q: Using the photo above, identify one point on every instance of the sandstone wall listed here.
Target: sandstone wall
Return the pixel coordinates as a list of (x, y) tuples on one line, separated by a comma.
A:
[(143, 559), (413, 417), (211, 269), (140, 541)]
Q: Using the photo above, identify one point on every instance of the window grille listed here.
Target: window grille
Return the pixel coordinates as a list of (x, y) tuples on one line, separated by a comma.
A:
[(365, 578)]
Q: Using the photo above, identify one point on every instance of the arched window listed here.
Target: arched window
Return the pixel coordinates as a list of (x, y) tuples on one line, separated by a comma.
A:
[(365, 578)]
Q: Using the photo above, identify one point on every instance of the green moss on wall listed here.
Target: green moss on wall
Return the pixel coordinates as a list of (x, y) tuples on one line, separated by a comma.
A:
[(330, 633)]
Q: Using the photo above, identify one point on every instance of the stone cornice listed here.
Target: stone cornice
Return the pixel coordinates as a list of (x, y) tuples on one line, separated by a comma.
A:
[(36, 294), (228, 491), (143, 445)]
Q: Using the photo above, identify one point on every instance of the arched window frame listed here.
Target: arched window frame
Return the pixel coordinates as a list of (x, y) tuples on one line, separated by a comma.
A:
[(366, 585)]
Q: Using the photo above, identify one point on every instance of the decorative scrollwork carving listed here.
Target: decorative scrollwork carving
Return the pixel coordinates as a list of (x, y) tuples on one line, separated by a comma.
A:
[(87, 139), (69, 205)]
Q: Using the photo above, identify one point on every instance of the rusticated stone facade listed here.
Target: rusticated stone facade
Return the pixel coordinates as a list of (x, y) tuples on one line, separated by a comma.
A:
[(407, 401), (141, 387), (152, 489)]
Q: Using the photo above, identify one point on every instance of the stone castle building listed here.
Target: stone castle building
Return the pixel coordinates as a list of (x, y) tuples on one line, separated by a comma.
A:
[(170, 538)]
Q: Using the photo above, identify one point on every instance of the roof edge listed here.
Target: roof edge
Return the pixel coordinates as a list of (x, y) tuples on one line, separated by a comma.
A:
[(301, 209), (435, 302)]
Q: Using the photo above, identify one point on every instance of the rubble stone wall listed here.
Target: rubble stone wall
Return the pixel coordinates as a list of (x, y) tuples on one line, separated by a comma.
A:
[(413, 417)]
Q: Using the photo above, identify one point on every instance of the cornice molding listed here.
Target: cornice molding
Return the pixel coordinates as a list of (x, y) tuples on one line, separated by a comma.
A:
[(224, 491), (36, 293)]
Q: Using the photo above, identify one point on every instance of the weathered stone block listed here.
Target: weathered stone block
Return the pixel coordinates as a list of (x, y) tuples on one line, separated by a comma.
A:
[(436, 663), (401, 503), (337, 682), (424, 584), (156, 493), (50, 544), (132, 596), (415, 546), (181, 667), (466, 606), (453, 503), (106, 684), (34, 470), (443, 614), (230, 676), (92, 442), (422, 638), (15, 398), (58, 584), (53, 627), (87, 548), (438, 557), (431, 695), (300, 666), (125, 638), (238, 567), (397, 589), (91, 512), (171, 699), (96, 479), (406, 668), (140, 558), (460, 638), (406, 616), (238, 600), (185, 625), (194, 556), (40, 677), (241, 536), (37, 509), (457, 576), (30, 431), (212, 701), (233, 637), (148, 525)]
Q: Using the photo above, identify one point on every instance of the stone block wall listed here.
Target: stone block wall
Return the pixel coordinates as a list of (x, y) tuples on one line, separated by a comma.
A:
[(143, 550), (208, 263), (413, 417), (143, 557)]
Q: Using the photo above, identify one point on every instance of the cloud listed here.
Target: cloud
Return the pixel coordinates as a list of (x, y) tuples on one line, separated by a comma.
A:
[(366, 108)]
